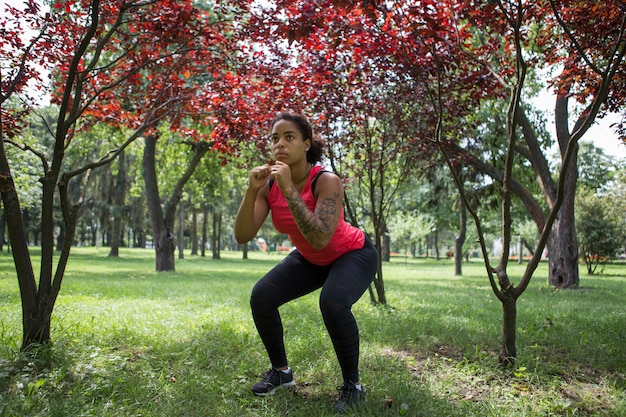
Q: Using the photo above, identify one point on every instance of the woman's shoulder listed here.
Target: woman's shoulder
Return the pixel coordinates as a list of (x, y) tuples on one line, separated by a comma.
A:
[(318, 170), (324, 178)]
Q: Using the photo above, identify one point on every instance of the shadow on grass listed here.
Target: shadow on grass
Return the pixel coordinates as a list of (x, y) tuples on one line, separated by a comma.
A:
[(207, 375)]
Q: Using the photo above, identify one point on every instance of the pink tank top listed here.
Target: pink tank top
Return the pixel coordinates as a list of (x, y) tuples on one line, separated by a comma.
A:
[(345, 239)]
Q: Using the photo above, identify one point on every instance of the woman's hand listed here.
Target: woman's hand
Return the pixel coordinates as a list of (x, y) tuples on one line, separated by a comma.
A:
[(253, 208), (281, 173), (259, 175)]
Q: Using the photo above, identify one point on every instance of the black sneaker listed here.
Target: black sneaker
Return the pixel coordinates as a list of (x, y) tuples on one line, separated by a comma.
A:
[(272, 382), (349, 397)]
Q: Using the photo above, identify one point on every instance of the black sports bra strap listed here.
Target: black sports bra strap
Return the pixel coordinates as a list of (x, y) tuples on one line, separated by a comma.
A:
[(315, 180)]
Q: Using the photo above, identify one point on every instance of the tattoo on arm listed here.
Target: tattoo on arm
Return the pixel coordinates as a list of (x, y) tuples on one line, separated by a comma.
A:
[(316, 227)]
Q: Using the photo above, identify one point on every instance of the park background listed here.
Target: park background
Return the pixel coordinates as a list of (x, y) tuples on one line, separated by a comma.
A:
[(135, 131)]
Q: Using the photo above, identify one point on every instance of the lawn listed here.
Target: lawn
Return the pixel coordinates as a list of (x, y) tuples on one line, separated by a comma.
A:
[(132, 342)]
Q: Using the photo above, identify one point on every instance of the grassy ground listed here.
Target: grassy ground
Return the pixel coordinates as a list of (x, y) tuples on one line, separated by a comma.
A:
[(132, 342)]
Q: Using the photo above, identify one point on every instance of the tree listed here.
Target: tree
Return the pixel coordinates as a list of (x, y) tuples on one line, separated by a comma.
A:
[(485, 62), (208, 188), (588, 43), (38, 301), (407, 228), (560, 196), (599, 232), (599, 210), (130, 64), (118, 204), (557, 224), (386, 169), (194, 72), (163, 218)]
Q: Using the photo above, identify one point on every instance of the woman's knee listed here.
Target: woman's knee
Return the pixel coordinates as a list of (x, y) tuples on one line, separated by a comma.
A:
[(332, 302), (261, 295), (334, 289)]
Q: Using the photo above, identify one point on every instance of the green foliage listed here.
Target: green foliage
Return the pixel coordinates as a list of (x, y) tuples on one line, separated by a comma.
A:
[(27, 168), (27, 171), (595, 168), (130, 341), (408, 228), (172, 158), (600, 232)]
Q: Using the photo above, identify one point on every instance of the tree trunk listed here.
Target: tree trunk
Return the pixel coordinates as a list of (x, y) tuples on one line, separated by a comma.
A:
[(385, 239), (181, 231), (162, 219), (205, 225), (219, 237), (460, 240), (562, 244), (37, 302), (162, 234), (61, 236), (508, 350), (380, 285), (120, 197), (164, 248), (379, 297), (215, 239), (32, 328), (194, 231), (563, 250), (387, 246), (2, 230)]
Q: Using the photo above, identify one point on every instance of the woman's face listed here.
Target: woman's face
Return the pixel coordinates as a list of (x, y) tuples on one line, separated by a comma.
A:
[(286, 142)]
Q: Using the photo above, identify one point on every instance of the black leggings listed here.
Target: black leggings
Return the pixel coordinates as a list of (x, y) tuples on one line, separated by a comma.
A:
[(342, 283)]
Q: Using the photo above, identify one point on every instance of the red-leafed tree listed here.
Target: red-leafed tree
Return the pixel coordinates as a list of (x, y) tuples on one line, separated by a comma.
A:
[(588, 44), (135, 64), (587, 54), (498, 38), (197, 52)]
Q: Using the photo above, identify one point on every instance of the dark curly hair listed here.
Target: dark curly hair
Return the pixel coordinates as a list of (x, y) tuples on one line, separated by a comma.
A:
[(318, 145)]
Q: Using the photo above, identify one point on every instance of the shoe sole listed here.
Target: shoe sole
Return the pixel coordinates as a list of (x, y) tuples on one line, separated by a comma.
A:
[(275, 389)]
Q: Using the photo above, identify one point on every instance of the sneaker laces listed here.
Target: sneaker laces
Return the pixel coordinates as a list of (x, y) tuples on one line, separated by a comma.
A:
[(349, 397), (346, 391), (268, 376)]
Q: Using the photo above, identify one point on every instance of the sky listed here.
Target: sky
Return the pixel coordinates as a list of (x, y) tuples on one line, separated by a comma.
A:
[(603, 137), (600, 133)]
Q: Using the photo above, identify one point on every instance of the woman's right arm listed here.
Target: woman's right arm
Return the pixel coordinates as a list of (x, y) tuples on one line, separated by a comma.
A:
[(254, 208)]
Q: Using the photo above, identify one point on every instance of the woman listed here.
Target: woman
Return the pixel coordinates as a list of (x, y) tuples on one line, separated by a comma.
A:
[(307, 204)]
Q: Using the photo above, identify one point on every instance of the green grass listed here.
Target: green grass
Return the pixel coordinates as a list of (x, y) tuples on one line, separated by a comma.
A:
[(132, 342)]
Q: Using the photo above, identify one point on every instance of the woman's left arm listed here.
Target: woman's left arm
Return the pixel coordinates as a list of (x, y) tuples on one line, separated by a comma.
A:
[(319, 226)]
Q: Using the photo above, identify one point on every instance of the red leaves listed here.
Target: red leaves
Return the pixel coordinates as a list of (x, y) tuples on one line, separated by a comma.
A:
[(153, 67), (588, 46), (230, 68)]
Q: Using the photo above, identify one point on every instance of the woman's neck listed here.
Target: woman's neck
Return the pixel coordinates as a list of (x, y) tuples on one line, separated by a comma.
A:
[(299, 176)]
